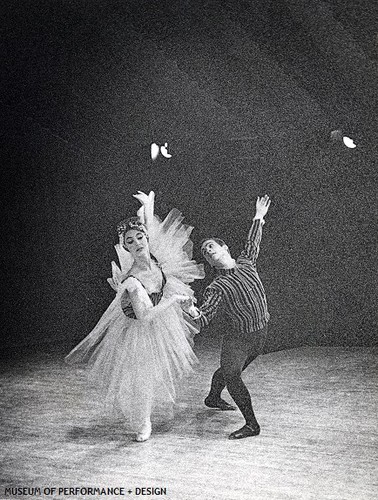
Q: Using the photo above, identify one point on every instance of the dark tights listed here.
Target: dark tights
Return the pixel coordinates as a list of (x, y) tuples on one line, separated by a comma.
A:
[(238, 352)]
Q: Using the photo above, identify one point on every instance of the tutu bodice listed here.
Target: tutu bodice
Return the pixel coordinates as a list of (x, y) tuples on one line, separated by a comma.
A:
[(155, 298)]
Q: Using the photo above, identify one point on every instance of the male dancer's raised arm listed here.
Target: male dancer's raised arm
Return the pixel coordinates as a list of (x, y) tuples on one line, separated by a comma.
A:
[(252, 245)]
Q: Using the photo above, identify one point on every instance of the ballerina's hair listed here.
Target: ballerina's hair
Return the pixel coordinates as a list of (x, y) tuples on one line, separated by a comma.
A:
[(131, 223)]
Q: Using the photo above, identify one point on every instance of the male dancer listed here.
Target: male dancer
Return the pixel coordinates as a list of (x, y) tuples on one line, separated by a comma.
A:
[(237, 288)]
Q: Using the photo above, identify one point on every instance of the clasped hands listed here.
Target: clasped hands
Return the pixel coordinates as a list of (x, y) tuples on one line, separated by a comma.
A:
[(186, 303)]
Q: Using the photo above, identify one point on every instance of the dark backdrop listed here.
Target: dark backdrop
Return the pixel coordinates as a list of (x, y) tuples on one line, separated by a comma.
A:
[(246, 94)]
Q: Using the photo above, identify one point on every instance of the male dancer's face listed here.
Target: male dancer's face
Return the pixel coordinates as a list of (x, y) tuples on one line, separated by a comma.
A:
[(214, 253)]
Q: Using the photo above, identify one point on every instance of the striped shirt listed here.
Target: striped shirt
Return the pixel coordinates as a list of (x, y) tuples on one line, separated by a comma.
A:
[(239, 291)]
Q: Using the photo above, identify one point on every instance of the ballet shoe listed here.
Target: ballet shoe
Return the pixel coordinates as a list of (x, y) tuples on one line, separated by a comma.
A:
[(144, 433), (244, 432), (218, 404)]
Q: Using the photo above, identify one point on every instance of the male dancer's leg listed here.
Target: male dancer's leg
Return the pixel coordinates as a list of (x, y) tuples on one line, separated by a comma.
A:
[(258, 346), (218, 383), (237, 353), (214, 399)]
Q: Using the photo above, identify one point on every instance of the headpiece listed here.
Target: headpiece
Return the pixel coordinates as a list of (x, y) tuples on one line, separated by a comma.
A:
[(131, 223)]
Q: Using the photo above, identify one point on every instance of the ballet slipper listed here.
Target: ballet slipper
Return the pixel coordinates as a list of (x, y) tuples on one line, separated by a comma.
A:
[(246, 431), (219, 404), (144, 432)]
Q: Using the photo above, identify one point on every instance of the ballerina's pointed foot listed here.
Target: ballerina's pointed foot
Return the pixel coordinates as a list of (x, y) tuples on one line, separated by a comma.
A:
[(144, 432)]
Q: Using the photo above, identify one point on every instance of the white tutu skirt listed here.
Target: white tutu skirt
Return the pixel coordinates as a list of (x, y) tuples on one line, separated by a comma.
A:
[(138, 365)]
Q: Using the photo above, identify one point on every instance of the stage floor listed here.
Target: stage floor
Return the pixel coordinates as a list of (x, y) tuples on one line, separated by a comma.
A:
[(317, 408)]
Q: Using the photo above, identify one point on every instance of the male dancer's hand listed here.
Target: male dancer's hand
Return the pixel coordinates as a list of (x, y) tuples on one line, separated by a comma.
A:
[(262, 206), (189, 307)]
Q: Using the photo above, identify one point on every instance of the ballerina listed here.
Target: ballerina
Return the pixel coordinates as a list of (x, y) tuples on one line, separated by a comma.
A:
[(142, 345)]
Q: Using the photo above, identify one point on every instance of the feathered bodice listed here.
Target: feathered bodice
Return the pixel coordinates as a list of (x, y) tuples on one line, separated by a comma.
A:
[(155, 298)]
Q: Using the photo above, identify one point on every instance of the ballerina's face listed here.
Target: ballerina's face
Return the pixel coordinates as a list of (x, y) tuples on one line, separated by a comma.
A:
[(136, 243)]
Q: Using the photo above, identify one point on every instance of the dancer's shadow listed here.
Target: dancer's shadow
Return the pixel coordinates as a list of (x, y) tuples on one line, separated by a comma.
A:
[(203, 423), (99, 432), (198, 422)]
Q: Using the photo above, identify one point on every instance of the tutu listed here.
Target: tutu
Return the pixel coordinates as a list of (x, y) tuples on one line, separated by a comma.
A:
[(137, 364)]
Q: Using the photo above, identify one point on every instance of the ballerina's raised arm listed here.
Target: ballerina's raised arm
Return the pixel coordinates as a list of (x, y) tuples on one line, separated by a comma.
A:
[(146, 211)]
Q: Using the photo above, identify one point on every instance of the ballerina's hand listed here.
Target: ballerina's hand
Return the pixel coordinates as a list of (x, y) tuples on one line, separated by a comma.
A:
[(183, 300), (144, 198)]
